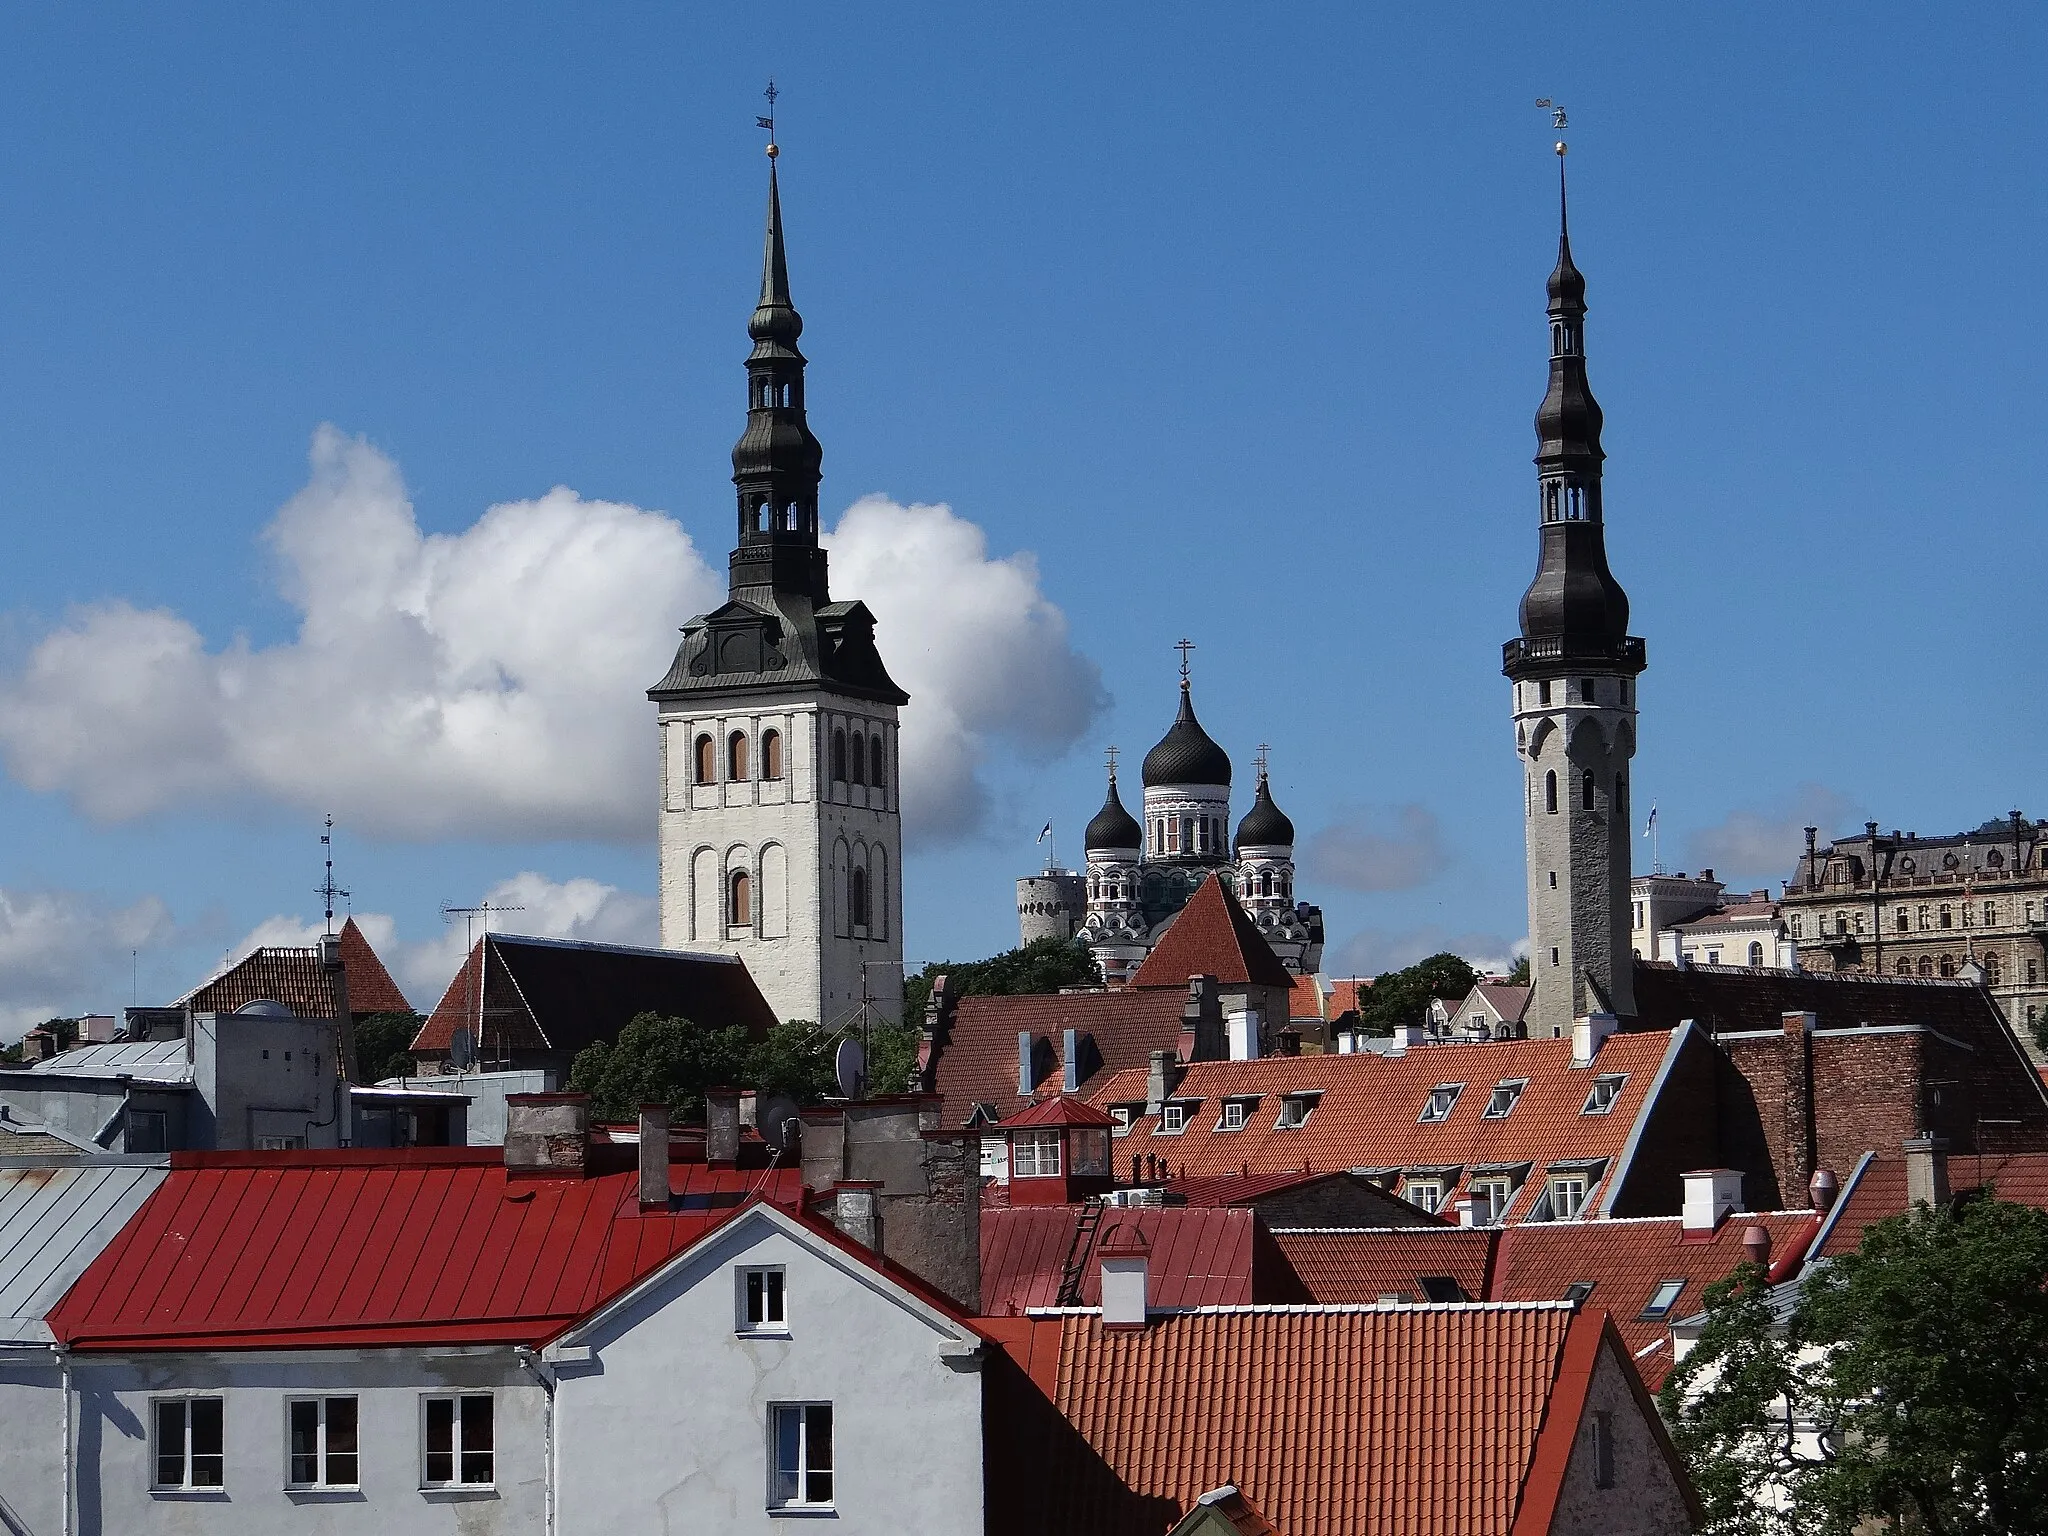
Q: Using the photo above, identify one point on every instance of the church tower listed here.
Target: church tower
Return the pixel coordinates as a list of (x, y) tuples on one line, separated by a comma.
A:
[(1574, 672), (780, 829)]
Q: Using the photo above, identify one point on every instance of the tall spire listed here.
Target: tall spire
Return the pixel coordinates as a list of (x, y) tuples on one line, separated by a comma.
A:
[(776, 463)]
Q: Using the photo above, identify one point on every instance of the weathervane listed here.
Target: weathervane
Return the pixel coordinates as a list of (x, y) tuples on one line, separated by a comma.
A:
[(1557, 121), (768, 122), (1184, 646), (327, 888)]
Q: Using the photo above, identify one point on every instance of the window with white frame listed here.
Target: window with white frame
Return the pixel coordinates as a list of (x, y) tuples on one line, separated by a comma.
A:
[(1173, 1119), (1428, 1194), (1490, 1200), (800, 1456), (1034, 1154), (761, 1299), (1442, 1098), (1120, 1119), (321, 1436), (1567, 1195), (1605, 1091), (459, 1441), (189, 1442), (1294, 1111), (1234, 1112), (1501, 1103)]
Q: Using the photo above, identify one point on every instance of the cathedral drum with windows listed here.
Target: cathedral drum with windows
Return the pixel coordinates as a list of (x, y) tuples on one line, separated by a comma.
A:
[(780, 828)]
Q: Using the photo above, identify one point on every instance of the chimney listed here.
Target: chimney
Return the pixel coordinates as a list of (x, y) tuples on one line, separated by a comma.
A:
[(1926, 1171), (345, 1020), (1710, 1194), (1797, 1099), (857, 1211), (1589, 1034), (1027, 1077), (1202, 1018), (721, 1128), (1756, 1246), (547, 1133), (1822, 1188), (1404, 1036), (1670, 948), (38, 1045), (1242, 1031), (653, 1157), (1707, 875), (1290, 1042), (1126, 1276), (1162, 1081), (1465, 1211)]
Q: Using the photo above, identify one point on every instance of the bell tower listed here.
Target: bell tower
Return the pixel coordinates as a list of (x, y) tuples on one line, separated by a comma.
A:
[(780, 827), (1574, 670)]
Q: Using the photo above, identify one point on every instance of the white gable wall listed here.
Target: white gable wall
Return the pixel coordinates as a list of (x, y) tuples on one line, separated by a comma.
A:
[(666, 1426)]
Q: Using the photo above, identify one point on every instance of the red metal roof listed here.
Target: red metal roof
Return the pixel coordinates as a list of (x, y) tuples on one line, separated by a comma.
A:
[(1212, 936), (1393, 1421), (1364, 1265), (1199, 1257), (1369, 1111), (377, 1248), (1061, 1109)]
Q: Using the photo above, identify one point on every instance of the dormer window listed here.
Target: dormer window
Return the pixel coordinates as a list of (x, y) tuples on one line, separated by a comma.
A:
[(1035, 1154), (1606, 1090), (1173, 1119), (1505, 1096), (1295, 1110), (1424, 1194), (1121, 1115), (1442, 1099), (1234, 1112)]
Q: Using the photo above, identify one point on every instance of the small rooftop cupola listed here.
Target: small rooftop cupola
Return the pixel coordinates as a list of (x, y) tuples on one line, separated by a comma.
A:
[(1113, 828), (1574, 609), (776, 462)]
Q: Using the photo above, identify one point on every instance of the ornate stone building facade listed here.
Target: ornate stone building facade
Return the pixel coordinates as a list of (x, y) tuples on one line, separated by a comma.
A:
[(1899, 904), (780, 829)]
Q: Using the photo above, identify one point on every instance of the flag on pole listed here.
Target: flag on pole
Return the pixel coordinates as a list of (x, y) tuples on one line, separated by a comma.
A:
[(1047, 832), (1651, 829)]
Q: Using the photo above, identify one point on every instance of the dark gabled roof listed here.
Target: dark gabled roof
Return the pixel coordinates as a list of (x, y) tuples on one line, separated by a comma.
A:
[(294, 977), (1212, 936), (976, 1057), (776, 640), (1185, 754), (553, 994)]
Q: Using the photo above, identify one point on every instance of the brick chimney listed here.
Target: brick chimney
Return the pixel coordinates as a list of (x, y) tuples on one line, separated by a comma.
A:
[(721, 1127), (1710, 1194), (547, 1133), (1798, 1105), (1926, 1171), (654, 1157), (857, 1211), (1201, 1021), (1162, 1081), (1126, 1276)]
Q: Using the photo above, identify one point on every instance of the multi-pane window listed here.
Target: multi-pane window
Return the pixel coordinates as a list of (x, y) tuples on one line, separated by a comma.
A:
[(1428, 1194), (189, 1451), (1605, 1091), (1662, 1300), (461, 1442), (322, 1436), (1088, 1152), (1490, 1200), (1120, 1119), (1294, 1111), (1173, 1119), (761, 1300), (1505, 1096), (801, 1452), (146, 1131), (1441, 1099), (1233, 1115), (1567, 1196), (1035, 1154)]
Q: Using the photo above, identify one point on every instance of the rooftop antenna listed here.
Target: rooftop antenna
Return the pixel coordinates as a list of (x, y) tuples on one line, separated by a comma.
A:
[(472, 982), (327, 889), (1184, 646), (768, 122)]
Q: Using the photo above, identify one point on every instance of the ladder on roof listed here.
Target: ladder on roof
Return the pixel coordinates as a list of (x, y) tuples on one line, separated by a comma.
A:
[(1077, 1254)]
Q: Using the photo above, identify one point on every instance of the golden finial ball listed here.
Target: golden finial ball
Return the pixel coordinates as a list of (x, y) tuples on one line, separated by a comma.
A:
[(1560, 147), (774, 150)]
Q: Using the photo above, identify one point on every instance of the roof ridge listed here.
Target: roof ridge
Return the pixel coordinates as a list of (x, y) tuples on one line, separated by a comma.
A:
[(1297, 1308)]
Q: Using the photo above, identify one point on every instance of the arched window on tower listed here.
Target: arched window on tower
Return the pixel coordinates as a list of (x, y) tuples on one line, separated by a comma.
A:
[(1586, 791), (876, 774), (1948, 965), (1756, 955), (838, 755), (1904, 967), (857, 754), (736, 756), (1187, 834), (1926, 966), (771, 755), (763, 513), (857, 897), (707, 761), (1266, 883), (1550, 791), (740, 906)]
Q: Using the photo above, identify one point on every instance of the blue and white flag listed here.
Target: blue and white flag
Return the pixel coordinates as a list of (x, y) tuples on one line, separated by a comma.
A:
[(1042, 836), (1651, 829)]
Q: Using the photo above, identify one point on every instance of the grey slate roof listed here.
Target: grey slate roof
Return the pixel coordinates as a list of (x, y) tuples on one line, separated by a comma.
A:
[(53, 1223)]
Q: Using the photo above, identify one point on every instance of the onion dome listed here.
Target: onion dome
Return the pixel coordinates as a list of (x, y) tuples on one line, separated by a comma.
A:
[(1185, 754), (1113, 826), (1265, 825)]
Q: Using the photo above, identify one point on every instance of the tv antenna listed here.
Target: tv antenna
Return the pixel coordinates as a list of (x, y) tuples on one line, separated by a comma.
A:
[(327, 889), (472, 982)]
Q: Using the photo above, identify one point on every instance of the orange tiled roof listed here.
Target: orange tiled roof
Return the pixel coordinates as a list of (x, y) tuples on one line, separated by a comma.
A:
[(1307, 1001), (294, 977), (1365, 1264), (1212, 937), (1368, 1112), (1627, 1259), (370, 987), (1331, 1421), (1347, 996), (1196, 1258), (1880, 1191)]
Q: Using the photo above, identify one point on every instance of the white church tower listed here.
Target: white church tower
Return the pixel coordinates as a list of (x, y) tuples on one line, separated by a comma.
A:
[(780, 828), (1574, 672)]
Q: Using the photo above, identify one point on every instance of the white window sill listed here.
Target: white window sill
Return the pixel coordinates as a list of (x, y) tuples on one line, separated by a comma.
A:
[(802, 1512), (188, 1493), (322, 1492), (769, 1331), (451, 1491)]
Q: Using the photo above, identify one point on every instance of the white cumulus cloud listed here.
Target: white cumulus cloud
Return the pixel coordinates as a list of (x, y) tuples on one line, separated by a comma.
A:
[(63, 953), (491, 682), (1376, 950)]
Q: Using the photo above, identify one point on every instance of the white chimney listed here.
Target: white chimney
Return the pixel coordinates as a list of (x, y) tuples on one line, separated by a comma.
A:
[(1588, 1034), (1710, 1195), (1668, 947), (1404, 1036), (1465, 1212), (1126, 1277), (1242, 1030)]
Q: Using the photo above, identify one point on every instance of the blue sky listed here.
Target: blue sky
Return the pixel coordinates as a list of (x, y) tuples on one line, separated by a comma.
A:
[(1233, 325)]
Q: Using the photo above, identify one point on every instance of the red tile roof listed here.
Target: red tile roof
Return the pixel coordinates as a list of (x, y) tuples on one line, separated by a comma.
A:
[(1370, 1106), (977, 1051), (2021, 1177), (1347, 996), (296, 978), (1364, 1265), (1307, 1001), (370, 987), (1399, 1420), (1627, 1260), (1199, 1257), (1231, 1506), (1212, 936), (281, 1250)]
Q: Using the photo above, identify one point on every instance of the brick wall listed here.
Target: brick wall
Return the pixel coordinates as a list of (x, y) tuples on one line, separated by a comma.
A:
[(1681, 1134)]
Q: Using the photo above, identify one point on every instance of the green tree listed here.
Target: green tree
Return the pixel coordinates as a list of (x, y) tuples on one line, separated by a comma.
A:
[(1043, 965), (1519, 976), (658, 1060), (796, 1058), (1403, 996), (892, 1058), (384, 1045), (1722, 1403)]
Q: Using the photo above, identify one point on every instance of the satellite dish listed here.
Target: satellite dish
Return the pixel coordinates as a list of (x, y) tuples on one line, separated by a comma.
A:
[(850, 1066), (781, 1126), (462, 1050)]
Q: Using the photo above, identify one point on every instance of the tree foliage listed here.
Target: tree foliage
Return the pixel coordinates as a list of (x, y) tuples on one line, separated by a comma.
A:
[(1043, 965), (1519, 976), (1926, 1351), (384, 1045), (1402, 997)]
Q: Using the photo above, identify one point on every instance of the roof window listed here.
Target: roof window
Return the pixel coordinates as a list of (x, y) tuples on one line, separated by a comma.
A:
[(1605, 1091), (1504, 1098), (1577, 1292), (1173, 1118), (1234, 1112), (1662, 1300), (1442, 1098), (1441, 1288), (1295, 1110)]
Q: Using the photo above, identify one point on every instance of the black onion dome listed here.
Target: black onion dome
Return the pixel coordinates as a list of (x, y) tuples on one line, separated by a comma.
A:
[(1113, 826), (1185, 754), (1265, 825)]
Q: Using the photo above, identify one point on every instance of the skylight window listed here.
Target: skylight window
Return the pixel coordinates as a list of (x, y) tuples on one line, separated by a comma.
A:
[(1441, 1099), (1577, 1292), (1441, 1288), (1662, 1300), (1606, 1090), (1505, 1096)]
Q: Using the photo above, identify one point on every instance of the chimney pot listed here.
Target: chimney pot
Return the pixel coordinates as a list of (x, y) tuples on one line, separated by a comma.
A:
[(653, 1157), (1161, 1081), (721, 1127), (1710, 1195), (1756, 1246), (1822, 1189)]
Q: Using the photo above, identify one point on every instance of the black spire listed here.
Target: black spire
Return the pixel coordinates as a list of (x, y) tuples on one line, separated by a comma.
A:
[(1113, 826), (775, 464), (1574, 610)]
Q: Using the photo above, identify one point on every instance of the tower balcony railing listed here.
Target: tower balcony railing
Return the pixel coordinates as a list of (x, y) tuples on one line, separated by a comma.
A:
[(1517, 653)]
